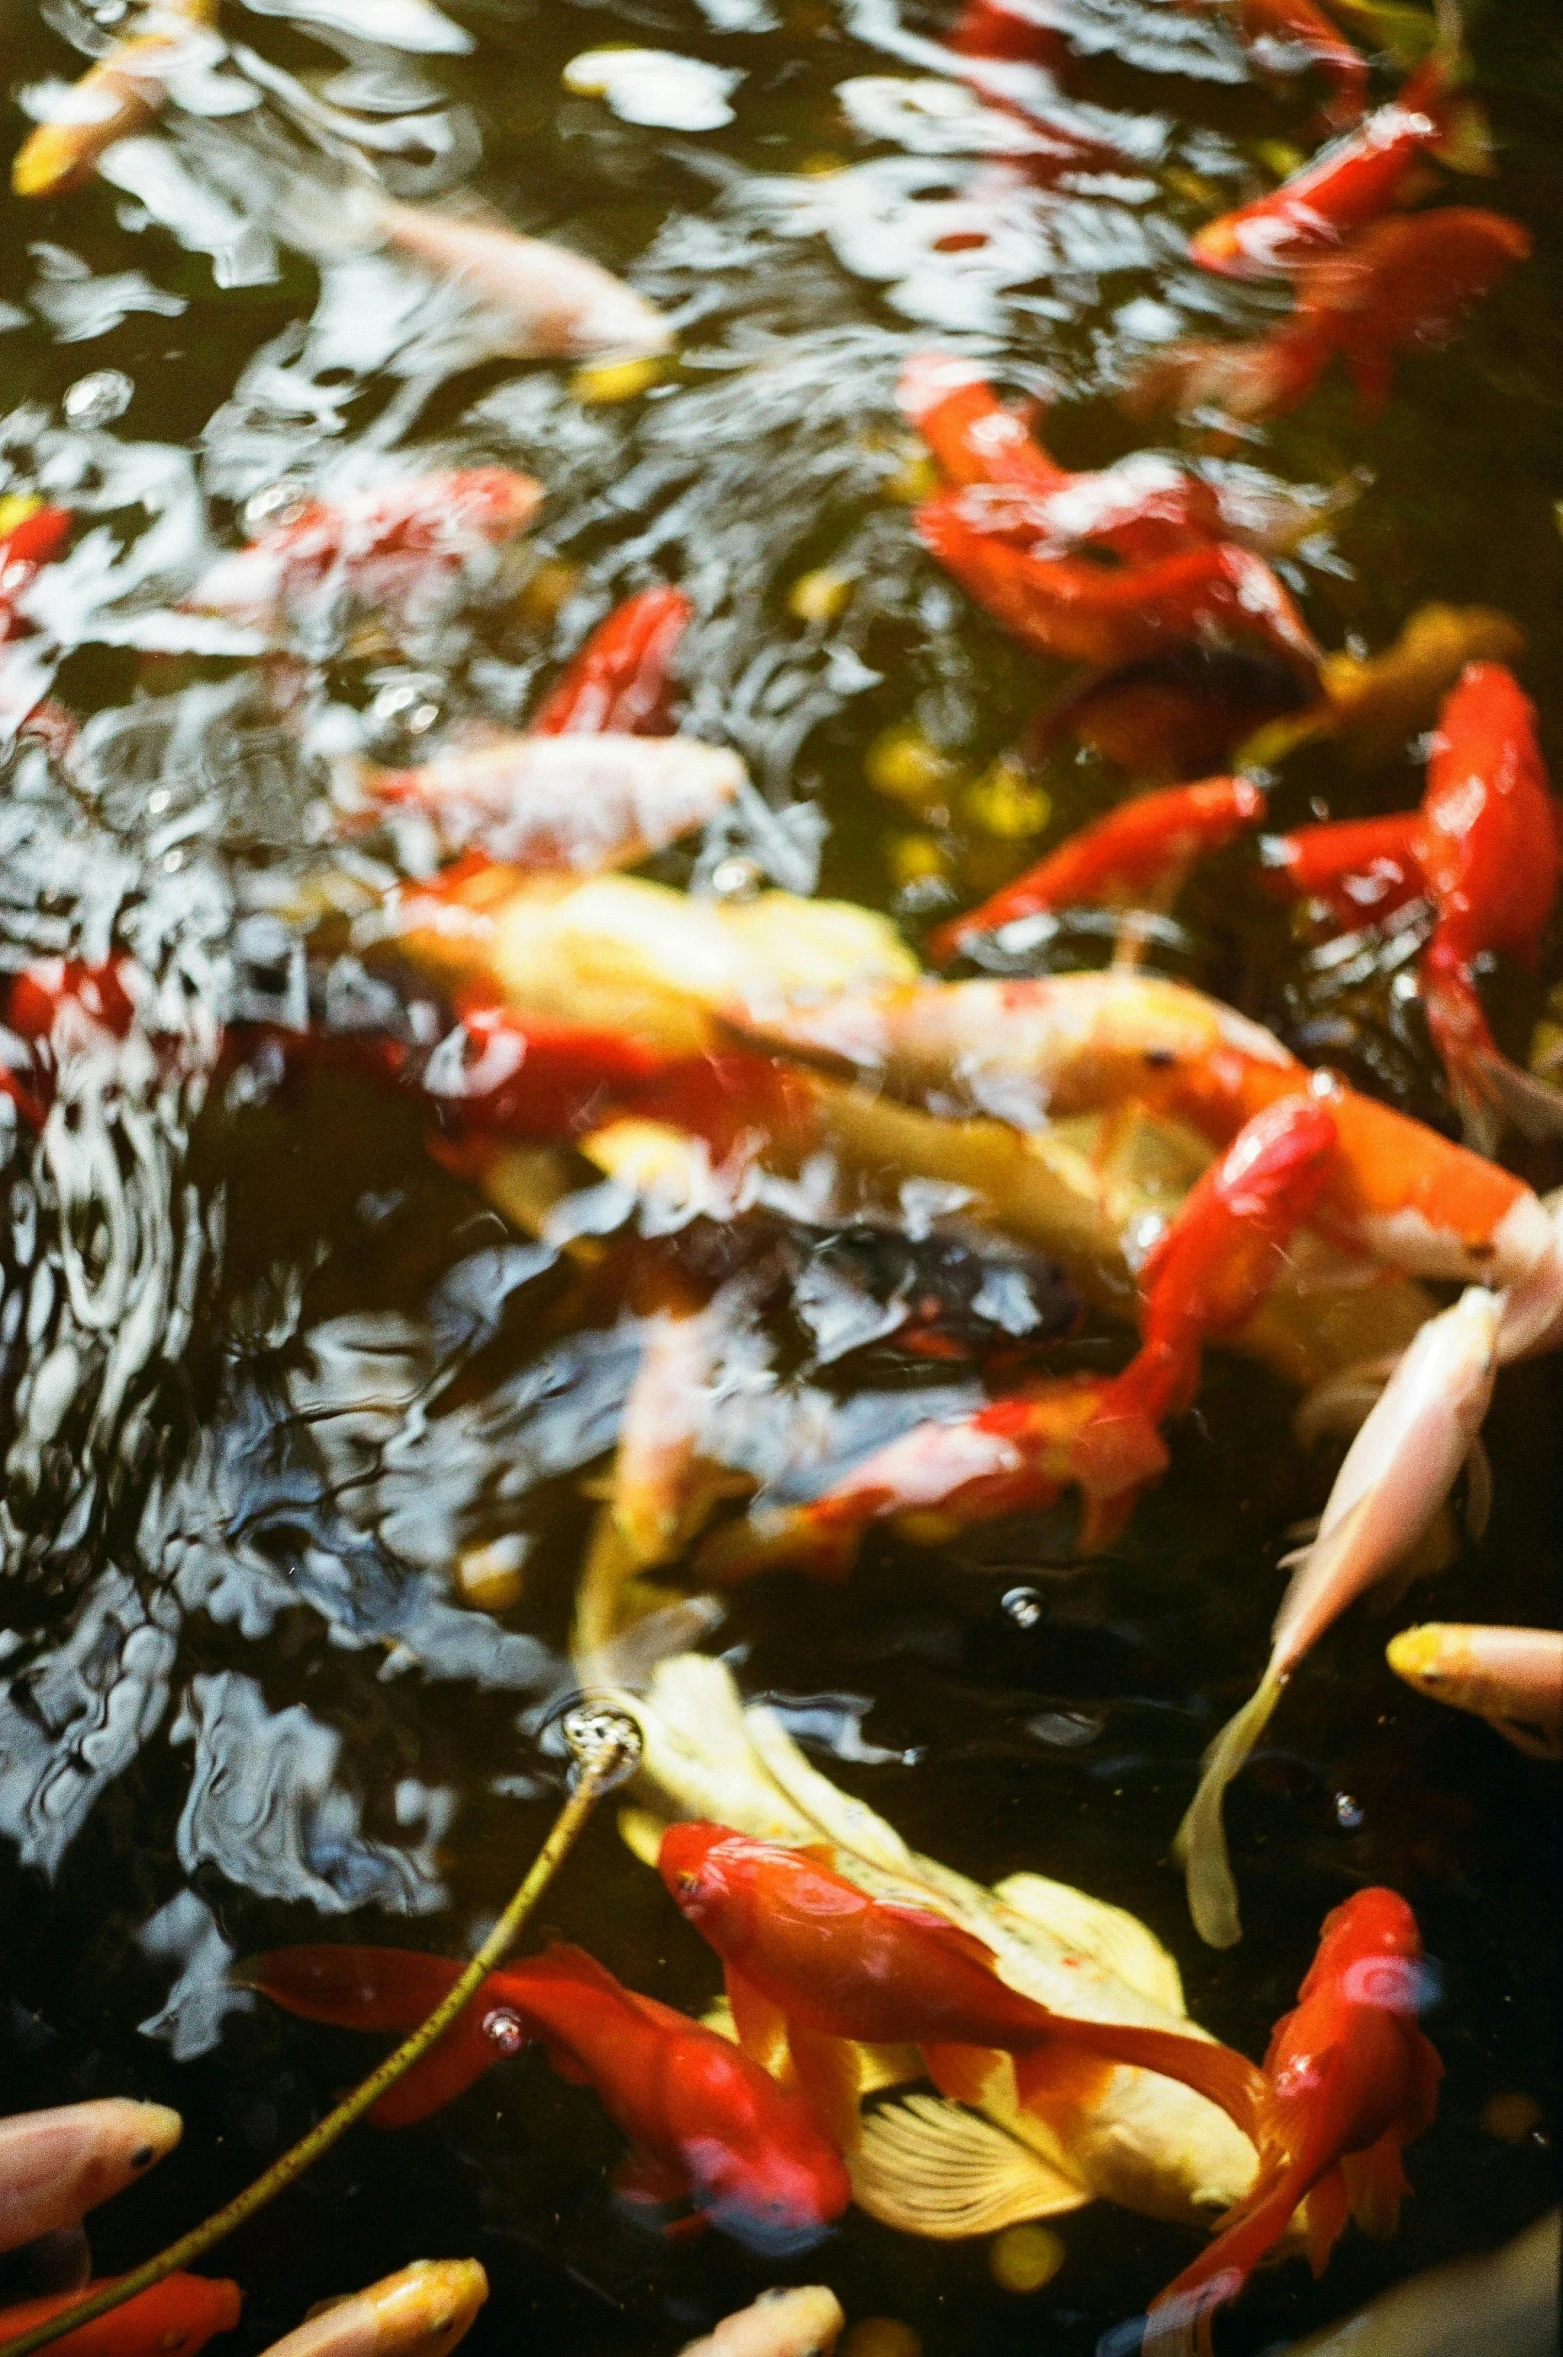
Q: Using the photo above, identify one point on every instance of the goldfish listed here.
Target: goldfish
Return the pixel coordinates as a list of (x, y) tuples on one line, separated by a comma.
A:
[(1487, 847), (804, 2320), (1284, 36), (387, 546), (1372, 704), (927, 2166), (1205, 1276), (706, 2124), (1349, 2081), (1340, 191), (173, 2318), (30, 540), (812, 1961), (123, 93), (578, 802), (1364, 870), (423, 2308), (1404, 285), (1137, 855), (1029, 1052), (1504, 2302), (618, 684), (547, 302), (1512, 1678), (55, 2165), (1180, 714), (1073, 609), (1396, 1475)]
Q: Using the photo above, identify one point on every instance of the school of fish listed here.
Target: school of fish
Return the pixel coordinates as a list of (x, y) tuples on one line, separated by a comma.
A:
[(698, 1050)]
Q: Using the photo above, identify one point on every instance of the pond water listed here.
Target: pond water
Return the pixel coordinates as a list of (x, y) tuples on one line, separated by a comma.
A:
[(270, 1370)]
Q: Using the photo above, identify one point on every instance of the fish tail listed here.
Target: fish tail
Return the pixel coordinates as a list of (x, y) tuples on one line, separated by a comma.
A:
[(1219, 2073), (1200, 1845), (1254, 2228), (1488, 1089)]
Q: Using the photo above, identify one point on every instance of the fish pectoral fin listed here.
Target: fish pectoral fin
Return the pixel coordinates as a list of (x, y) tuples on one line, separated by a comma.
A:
[(1110, 1936), (1057, 2081), (826, 2070), (965, 2074), (1374, 2186), (1328, 2208), (928, 2167), (641, 2177), (1541, 1743), (759, 2025)]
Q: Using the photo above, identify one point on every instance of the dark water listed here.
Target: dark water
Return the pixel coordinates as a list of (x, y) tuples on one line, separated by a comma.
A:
[(267, 1368)]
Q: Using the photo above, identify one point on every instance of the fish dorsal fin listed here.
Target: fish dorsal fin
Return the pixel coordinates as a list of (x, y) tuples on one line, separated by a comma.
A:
[(928, 2167), (950, 1934), (1113, 1938), (851, 1824)]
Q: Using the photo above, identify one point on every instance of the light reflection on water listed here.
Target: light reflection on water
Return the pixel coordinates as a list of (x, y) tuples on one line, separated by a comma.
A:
[(266, 1372)]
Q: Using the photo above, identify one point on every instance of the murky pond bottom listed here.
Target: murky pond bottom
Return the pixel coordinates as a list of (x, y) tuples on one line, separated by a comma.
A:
[(272, 1372)]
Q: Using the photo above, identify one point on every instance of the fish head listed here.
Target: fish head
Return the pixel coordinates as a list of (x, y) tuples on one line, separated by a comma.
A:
[(710, 1872), (1371, 1950), (777, 2191)]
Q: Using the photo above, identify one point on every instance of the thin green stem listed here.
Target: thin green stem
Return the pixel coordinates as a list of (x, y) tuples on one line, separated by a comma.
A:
[(601, 1766)]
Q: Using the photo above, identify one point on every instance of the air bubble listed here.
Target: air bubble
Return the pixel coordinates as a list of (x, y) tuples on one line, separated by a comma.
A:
[(1350, 1815), (1024, 1607), (98, 399), (737, 878), (275, 504), (504, 2029)]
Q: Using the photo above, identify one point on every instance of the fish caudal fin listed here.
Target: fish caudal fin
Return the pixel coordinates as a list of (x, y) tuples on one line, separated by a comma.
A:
[(1329, 2207), (927, 2167), (1219, 2073), (1200, 1845), (394, 1989), (1256, 2226)]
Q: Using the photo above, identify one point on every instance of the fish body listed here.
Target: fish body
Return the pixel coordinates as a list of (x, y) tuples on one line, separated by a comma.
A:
[(704, 2121), (573, 803), (802, 2321), (123, 93), (1396, 1475), (1031, 1051), (1404, 284), (1073, 609), (1344, 188), (618, 684), (173, 2318), (57, 2165), (33, 541), (1349, 2081), (1118, 2133), (810, 1956), (1363, 869), (419, 2311), (1513, 1678), (1487, 847), (384, 547), (548, 302), (1134, 856)]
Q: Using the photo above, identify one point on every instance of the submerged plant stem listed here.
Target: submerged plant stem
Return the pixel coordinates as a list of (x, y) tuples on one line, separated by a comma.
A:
[(605, 1749)]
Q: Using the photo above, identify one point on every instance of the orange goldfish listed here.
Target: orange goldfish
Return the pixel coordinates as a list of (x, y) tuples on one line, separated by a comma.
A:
[(705, 2122), (812, 1960), (1349, 2080), (173, 2318)]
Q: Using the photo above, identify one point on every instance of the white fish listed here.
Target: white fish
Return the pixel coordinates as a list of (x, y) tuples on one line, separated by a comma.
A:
[(802, 2322), (1397, 1474), (546, 301), (928, 2166), (567, 803), (55, 2165), (656, 86), (426, 2307)]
